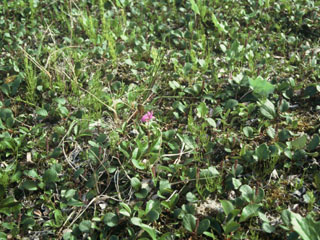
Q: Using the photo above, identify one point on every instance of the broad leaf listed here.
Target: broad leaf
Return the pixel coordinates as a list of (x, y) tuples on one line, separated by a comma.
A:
[(202, 110), (249, 211), (267, 109), (85, 226), (111, 219), (230, 227), (194, 7), (263, 152), (314, 143), (261, 87), (300, 142), (227, 206), (189, 222), (203, 226)]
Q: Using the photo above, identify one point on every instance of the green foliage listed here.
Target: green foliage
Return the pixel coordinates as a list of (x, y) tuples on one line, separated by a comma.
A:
[(234, 90), (261, 87), (306, 227)]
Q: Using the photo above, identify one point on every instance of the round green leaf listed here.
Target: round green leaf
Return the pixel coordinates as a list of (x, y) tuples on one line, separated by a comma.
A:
[(231, 103), (261, 87), (313, 144), (263, 152), (203, 226), (249, 211), (248, 131), (85, 226), (42, 112), (153, 215), (50, 176), (30, 185), (267, 227), (189, 222), (202, 110), (111, 219), (227, 206), (135, 183), (191, 197)]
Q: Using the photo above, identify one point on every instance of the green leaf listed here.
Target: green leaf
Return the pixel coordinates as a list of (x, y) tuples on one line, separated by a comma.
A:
[(188, 141), (259, 196), (138, 222), (156, 144), (261, 87), (180, 106), (7, 116), (187, 68), (227, 206), (299, 155), (29, 185), (3, 236), (125, 207), (153, 215), (189, 222), (217, 24), (231, 104), (8, 202), (316, 180), (271, 132), (194, 7), (307, 228), (142, 193), (263, 217), (191, 197), (211, 122), (58, 217), (310, 91), (5, 113), (247, 193), (248, 132), (42, 112), (284, 106), (153, 204), (174, 85), (284, 135), (314, 143), (286, 217), (75, 203), (165, 187), (28, 222), (138, 164), (231, 226), (236, 183), (203, 226), (32, 173), (263, 152), (63, 110), (111, 219), (50, 176), (202, 110), (268, 228), (85, 226), (61, 101), (267, 109), (135, 183), (249, 211), (300, 142), (70, 193)]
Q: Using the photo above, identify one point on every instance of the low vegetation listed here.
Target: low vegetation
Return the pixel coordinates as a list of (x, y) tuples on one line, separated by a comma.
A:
[(164, 119)]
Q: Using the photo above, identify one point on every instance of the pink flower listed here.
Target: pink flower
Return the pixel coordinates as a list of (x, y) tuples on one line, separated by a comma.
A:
[(147, 117)]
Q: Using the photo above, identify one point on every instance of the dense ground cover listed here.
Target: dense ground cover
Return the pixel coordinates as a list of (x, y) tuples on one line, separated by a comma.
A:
[(159, 119)]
